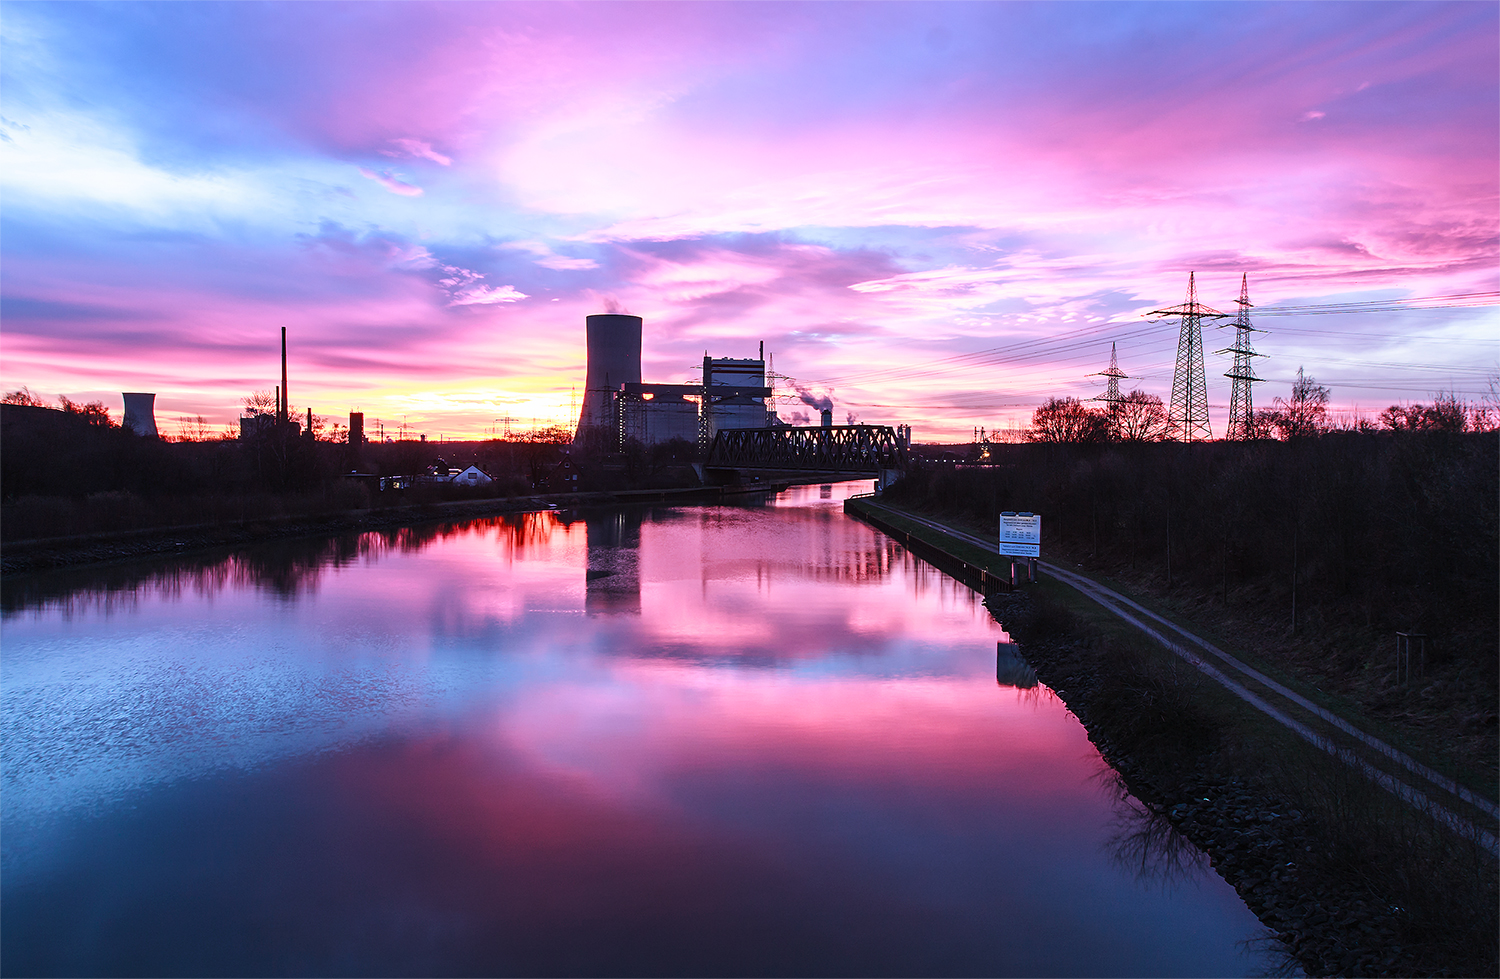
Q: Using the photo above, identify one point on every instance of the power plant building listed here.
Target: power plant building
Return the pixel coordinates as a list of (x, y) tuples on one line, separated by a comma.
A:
[(657, 413), (140, 413), (614, 359), (734, 394), (619, 408)]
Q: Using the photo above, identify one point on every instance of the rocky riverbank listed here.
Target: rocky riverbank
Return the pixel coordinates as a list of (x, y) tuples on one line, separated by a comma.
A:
[(1328, 920)]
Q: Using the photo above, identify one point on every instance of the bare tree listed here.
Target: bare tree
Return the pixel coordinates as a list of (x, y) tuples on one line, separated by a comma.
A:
[(1447, 413), (1305, 414), (324, 429), (1140, 417), (259, 402), (1487, 412), (24, 397), (194, 428), (94, 412), (1067, 420), (553, 435)]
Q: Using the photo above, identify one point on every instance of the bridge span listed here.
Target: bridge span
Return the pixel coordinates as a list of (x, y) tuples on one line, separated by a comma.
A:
[(862, 449)]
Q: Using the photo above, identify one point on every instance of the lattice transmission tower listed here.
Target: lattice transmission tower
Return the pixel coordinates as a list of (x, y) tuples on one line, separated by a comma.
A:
[(1188, 413), (1241, 404), (1111, 396)]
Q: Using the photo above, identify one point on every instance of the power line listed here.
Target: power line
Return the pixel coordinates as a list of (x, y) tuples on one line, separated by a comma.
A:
[(1465, 300), (1046, 354)]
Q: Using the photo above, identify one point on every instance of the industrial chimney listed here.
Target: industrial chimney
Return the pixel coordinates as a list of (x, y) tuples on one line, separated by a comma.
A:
[(140, 413), (614, 351)]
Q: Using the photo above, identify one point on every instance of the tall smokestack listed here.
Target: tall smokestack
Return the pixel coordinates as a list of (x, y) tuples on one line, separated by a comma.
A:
[(282, 409)]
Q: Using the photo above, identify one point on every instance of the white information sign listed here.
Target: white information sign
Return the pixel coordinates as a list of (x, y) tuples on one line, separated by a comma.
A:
[(1021, 534)]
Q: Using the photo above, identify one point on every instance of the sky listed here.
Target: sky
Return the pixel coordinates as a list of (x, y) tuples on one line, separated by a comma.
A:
[(935, 214)]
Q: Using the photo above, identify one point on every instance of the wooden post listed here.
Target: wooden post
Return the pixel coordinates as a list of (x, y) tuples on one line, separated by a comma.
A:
[(1407, 668)]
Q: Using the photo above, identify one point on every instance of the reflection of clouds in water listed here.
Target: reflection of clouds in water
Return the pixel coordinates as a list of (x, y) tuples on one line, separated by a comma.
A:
[(178, 668)]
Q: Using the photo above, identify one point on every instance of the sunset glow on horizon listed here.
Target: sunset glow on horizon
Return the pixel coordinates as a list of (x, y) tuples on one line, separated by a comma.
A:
[(938, 214)]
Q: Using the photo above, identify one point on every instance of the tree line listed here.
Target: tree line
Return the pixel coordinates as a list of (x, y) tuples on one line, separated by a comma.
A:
[(1142, 417), (1352, 536)]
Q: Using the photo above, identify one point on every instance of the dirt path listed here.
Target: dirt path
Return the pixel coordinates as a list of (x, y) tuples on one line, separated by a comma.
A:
[(1468, 814)]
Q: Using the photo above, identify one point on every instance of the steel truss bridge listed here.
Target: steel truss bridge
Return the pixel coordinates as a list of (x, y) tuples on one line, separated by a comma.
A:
[(838, 448)]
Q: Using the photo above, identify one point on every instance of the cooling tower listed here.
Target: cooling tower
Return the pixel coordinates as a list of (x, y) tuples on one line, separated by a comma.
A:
[(140, 413), (614, 342)]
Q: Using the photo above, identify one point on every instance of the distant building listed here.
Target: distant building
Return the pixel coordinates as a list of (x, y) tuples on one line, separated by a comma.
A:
[(734, 394), (614, 358), (473, 476), (562, 479), (655, 413), (618, 408), (140, 413), (441, 472), (256, 425)]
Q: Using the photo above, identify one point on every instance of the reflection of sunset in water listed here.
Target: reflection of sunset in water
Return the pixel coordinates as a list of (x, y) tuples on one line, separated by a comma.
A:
[(737, 739)]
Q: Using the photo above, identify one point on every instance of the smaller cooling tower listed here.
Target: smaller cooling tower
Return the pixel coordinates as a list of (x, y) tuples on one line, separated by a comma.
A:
[(140, 413), (614, 347), (827, 417)]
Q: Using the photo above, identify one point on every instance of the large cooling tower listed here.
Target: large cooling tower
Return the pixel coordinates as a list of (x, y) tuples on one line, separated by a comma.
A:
[(614, 341), (140, 413)]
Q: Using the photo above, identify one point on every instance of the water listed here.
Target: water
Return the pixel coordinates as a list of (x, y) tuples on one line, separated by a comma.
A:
[(733, 740)]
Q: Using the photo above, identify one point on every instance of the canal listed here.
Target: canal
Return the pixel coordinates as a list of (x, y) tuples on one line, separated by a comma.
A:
[(758, 739)]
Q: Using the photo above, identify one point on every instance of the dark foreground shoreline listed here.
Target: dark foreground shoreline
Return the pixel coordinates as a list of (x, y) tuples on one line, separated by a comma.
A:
[(1348, 880), (1262, 847)]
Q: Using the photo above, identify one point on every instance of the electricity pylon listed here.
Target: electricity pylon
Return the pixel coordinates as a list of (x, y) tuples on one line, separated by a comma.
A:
[(1188, 414), (1111, 396), (1241, 404)]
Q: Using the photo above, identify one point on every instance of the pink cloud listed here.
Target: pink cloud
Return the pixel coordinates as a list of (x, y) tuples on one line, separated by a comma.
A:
[(385, 179), (419, 149), (562, 264), (487, 295)]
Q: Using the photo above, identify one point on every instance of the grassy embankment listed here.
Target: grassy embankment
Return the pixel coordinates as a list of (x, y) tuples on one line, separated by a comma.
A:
[(1356, 883), (1306, 558)]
